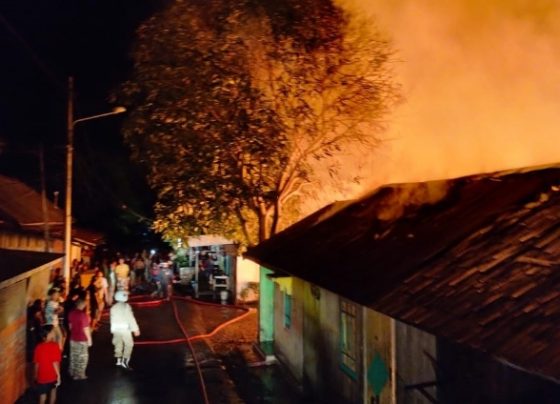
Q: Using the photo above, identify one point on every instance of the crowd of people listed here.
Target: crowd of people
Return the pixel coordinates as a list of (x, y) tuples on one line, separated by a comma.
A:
[(65, 321)]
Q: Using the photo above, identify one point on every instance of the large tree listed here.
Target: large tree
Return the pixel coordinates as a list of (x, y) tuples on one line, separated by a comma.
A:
[(236, 104)]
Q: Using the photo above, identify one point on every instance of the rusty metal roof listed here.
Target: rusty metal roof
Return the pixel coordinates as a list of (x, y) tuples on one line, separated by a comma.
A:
[(21, 208), (22, 204), (474, 259)]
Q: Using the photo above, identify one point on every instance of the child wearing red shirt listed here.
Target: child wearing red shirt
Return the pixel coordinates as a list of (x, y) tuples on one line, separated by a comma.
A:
[(47, 357)]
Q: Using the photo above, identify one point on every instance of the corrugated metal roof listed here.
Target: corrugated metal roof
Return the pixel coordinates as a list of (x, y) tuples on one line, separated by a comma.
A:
[(474, 259)]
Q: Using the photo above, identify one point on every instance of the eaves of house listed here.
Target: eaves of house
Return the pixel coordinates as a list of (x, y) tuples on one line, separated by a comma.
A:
[(21, 210), (474, 259), (17, 265), (22, 204)]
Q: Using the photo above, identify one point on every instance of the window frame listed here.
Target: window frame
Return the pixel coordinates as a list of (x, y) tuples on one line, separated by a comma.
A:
[(288, 306), (349, 351)]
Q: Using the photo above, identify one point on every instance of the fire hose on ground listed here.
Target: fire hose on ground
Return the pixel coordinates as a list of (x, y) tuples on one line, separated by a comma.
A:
[(187, 338)]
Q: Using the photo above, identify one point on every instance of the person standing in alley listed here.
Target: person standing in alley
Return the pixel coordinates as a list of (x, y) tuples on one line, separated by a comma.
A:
[(47, 357), (123, 326), (166, 279), (112, 282), (139, 271), (80, 341), (99, 294), (122, 271), (52, 312)]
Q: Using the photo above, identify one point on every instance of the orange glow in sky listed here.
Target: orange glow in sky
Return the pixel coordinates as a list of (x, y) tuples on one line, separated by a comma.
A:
[(482, 86)]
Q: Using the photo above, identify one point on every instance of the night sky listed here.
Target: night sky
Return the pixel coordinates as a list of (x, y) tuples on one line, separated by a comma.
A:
[(42, 42)]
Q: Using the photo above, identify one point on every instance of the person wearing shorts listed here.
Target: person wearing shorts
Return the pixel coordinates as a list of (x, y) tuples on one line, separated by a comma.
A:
[(47, 357)]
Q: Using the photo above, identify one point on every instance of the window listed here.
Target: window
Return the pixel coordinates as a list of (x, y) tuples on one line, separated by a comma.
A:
[(348, 336), (287, 309)]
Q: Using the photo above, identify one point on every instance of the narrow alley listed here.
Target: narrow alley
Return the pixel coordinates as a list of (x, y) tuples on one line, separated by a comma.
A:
[(163, 367)]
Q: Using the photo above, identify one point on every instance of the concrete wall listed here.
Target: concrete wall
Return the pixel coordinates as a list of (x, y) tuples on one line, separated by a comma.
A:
[(12, 342), (266, 306), (246, 271), (288, 342), (75, 253)]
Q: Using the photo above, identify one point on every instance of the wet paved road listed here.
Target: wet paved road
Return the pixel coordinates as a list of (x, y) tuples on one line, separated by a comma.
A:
[(162, 373)]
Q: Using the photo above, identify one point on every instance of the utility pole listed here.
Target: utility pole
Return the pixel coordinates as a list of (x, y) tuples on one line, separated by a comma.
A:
[(44, 205), (68, 196), (71, 124)]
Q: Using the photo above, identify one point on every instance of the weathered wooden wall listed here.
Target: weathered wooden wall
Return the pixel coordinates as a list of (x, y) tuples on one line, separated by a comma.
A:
[(474, 377), (288, 342), (322, 371), (377, 342), (13, 318), (27, 242), (414, 349)]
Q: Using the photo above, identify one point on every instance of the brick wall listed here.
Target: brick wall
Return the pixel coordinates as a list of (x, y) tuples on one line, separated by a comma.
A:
[(12, 342)]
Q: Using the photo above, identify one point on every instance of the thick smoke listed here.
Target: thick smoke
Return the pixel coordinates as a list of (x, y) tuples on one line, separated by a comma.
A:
[(482, 85)]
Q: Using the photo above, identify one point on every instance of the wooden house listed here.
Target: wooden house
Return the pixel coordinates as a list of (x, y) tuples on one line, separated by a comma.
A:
[(31, 248), (24, 276), (28, 224), (441, 291)]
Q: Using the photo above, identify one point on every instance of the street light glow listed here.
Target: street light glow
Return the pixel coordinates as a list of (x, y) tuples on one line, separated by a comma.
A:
[(115, 111), (119, 110), (71, 123)]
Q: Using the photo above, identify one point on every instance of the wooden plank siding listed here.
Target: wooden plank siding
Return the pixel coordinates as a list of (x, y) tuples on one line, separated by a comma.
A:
[(311, 348), (13, 341), (377, 341), (288, 341)]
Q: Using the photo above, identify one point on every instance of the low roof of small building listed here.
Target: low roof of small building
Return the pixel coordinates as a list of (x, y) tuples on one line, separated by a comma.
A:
[(207, 240), (474, 259), (16, 264), (21, 209), (22, 204), (80, 235)]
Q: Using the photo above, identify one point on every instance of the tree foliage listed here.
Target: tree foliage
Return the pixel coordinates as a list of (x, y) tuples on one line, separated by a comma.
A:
[(234, 103)]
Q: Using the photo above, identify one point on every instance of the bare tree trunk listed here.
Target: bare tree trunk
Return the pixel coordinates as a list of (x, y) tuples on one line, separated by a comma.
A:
[(275, 217), (244, 228), (262, 226)]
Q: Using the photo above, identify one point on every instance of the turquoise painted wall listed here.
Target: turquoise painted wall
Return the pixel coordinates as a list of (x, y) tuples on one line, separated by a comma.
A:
[(266, 306)]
